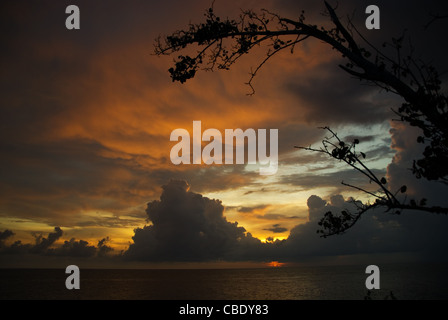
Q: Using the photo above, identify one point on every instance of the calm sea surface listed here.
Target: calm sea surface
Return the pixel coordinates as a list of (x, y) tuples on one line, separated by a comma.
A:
[(427, 281)]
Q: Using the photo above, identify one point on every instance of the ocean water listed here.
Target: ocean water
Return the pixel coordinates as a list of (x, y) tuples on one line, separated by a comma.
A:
[(416, 282)]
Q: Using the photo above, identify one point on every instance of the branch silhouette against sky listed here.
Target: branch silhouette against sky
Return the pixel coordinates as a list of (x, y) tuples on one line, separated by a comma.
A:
[(222, 42)]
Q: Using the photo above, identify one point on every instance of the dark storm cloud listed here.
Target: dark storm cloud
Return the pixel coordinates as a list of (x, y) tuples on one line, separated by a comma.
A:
[(103, 248), (399, 171), (376, 232), (188, 227), (303, 240), (42, 244), (74, 248), (5, 235), (81, 248), (45, 246)]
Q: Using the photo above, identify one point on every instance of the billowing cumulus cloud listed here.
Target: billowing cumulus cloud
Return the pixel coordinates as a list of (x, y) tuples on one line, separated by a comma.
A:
[(377, 232), (81, 248), (42, 243), (400, 173), (189, 227), (74, 248), (368, 236), (47, 246), (185, 226)]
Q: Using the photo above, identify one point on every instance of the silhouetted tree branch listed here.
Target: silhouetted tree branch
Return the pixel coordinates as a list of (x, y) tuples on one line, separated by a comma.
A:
[(434, 18), (346, 152), (222, 42)]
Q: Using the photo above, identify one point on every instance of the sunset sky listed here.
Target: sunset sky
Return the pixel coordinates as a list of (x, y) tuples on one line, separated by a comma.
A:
[(85, 123)]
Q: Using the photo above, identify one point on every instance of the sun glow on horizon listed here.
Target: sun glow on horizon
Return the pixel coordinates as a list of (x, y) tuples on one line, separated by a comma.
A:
[(275, 264)]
